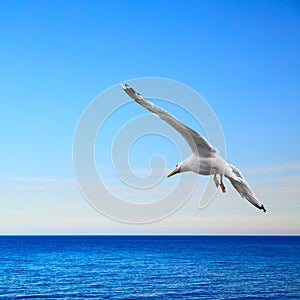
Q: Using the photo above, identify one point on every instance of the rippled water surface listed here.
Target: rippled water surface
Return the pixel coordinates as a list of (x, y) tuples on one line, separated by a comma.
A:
[(149, 267)]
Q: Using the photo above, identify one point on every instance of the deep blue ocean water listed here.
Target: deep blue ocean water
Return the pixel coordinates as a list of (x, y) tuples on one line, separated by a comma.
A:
[(149, 267)]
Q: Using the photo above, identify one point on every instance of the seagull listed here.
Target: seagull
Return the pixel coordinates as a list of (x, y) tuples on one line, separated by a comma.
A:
[(205, 159)]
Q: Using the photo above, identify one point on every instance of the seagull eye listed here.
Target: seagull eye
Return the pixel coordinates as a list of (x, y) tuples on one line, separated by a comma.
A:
[(177, 166)]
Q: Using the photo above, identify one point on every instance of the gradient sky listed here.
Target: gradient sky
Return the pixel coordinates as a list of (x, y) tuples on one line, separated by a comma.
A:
[(241, 56)]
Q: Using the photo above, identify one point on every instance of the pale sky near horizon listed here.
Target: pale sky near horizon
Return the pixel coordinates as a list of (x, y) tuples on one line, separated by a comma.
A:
[(57, 56)]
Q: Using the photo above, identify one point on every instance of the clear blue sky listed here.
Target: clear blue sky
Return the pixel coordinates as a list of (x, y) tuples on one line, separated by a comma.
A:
[(56, 56)]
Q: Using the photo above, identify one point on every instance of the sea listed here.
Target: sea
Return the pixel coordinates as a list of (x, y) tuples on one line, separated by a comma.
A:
[(150, 267)]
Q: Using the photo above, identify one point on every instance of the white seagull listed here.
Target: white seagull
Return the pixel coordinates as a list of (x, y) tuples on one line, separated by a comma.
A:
[(205, 159)]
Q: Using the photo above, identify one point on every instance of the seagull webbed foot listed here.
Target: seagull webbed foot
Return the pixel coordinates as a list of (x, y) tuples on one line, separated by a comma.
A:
[(223, 188)]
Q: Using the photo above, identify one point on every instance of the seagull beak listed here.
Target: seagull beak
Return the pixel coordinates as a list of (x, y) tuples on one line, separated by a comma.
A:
[(172, 173)]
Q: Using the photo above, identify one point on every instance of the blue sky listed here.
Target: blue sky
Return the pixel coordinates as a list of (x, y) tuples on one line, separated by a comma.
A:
[(56, 56)]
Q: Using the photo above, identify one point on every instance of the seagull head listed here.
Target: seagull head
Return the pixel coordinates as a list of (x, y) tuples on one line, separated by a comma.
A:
[(175, 171)]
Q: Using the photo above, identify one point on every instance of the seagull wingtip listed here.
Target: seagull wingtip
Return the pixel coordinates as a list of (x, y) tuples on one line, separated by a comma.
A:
[(124, 86)]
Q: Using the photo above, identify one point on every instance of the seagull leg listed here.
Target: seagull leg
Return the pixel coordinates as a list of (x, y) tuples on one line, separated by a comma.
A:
[(217, 183), (223, 188)]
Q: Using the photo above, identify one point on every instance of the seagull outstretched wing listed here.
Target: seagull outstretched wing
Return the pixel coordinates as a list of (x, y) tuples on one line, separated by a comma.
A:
[(199, 145), (242, 187)]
